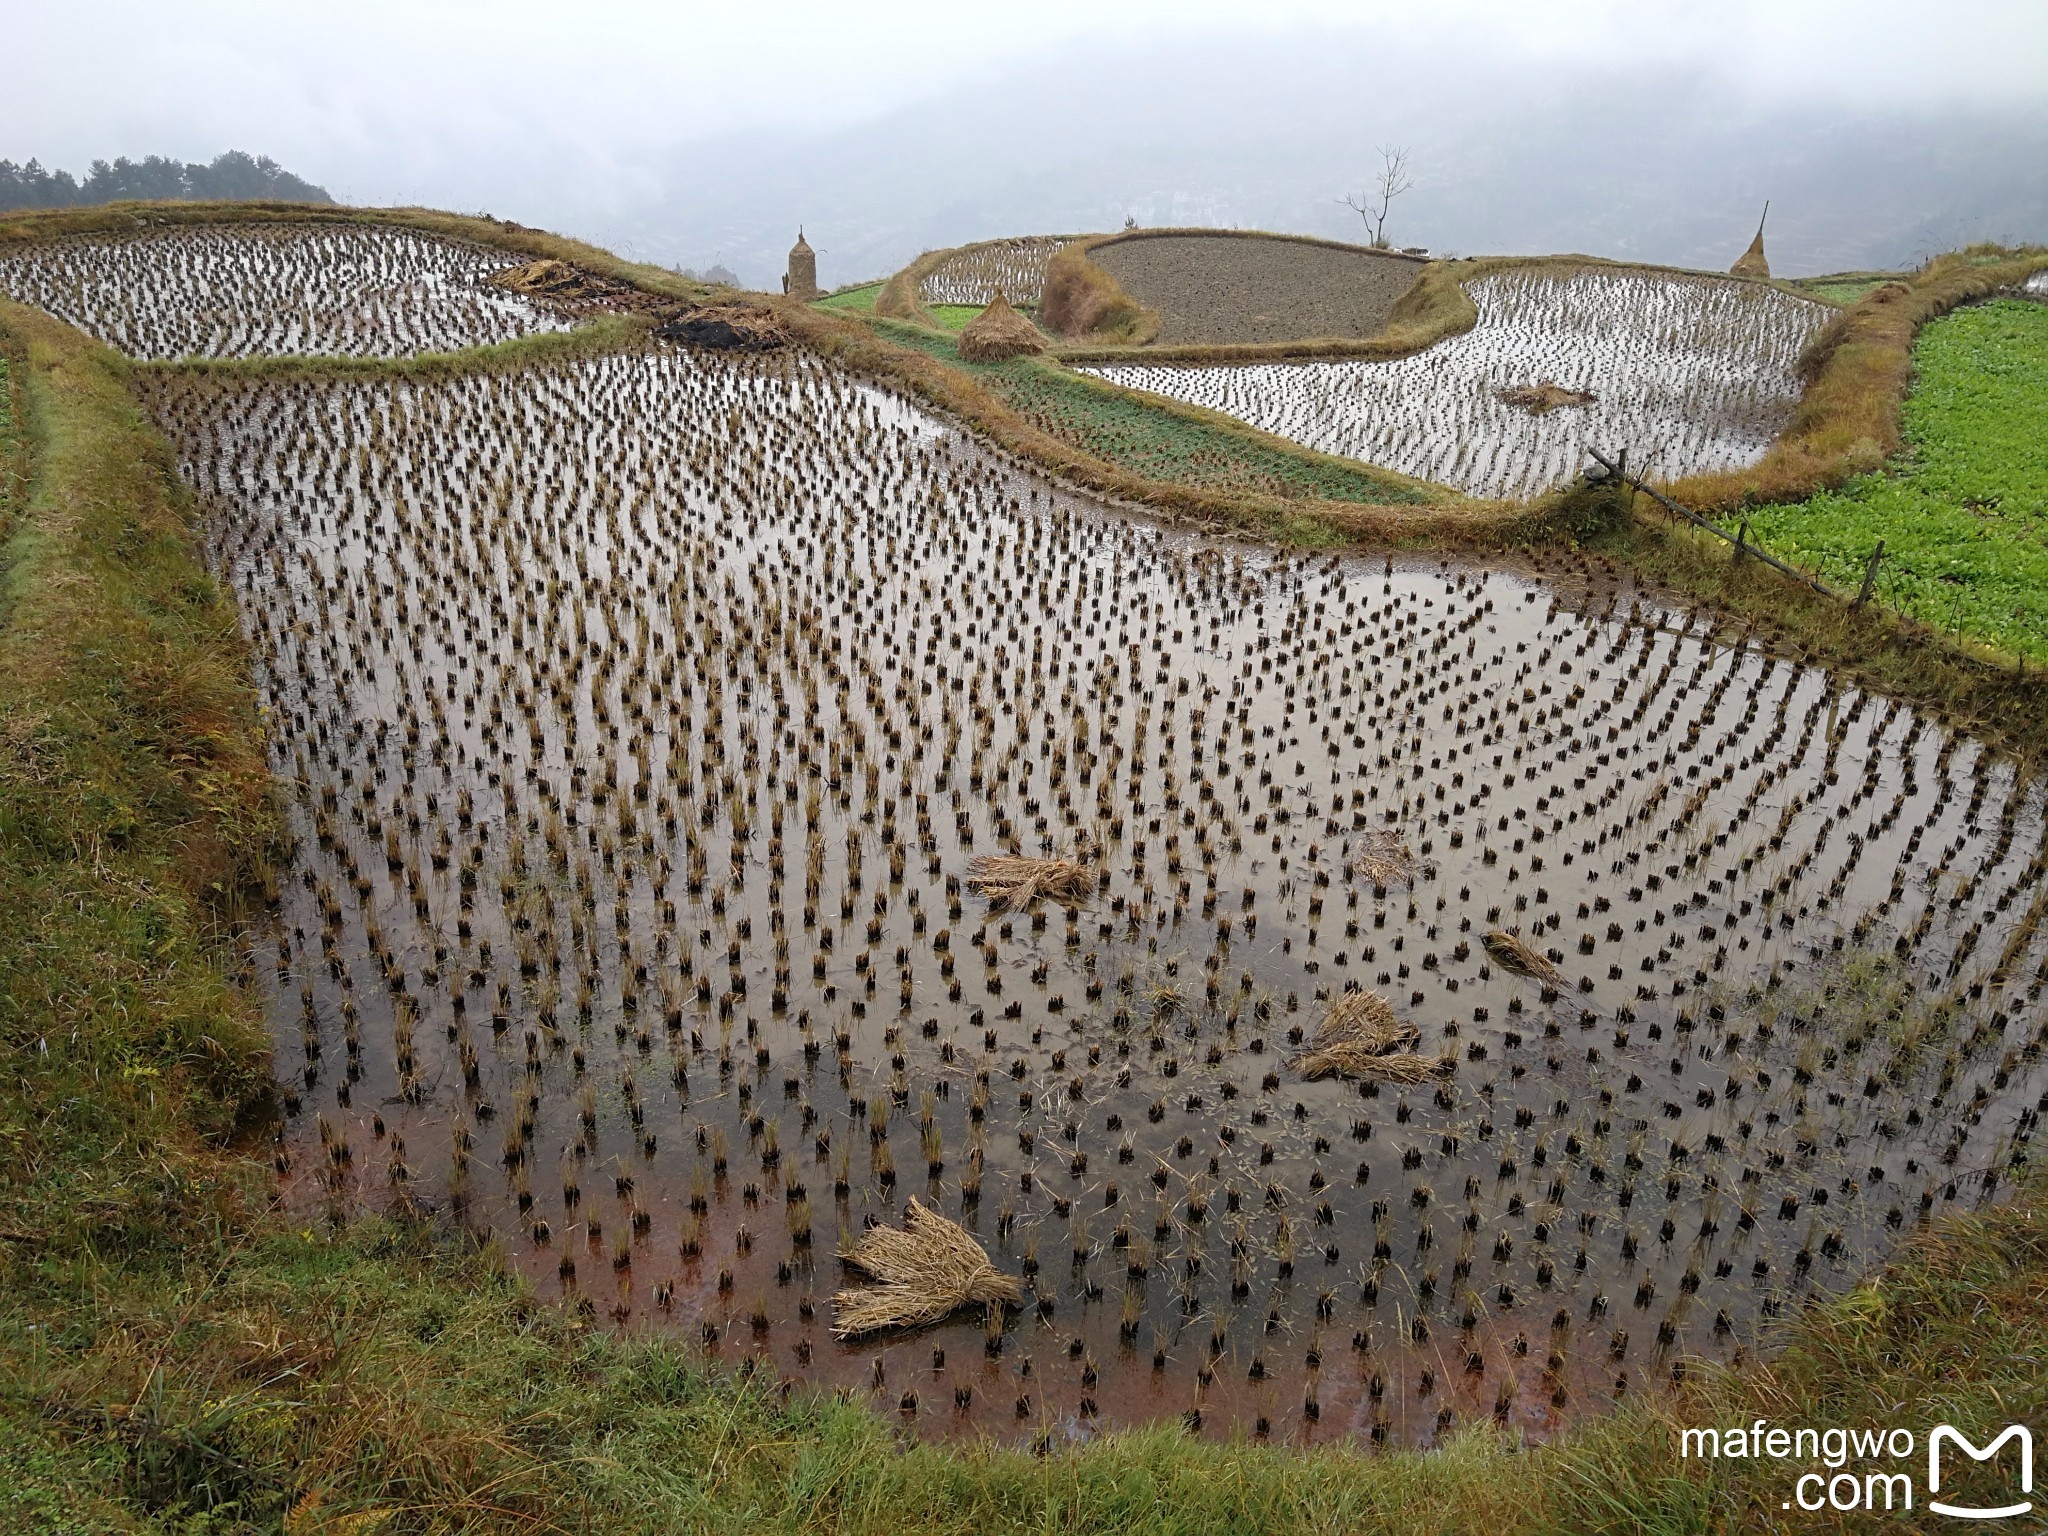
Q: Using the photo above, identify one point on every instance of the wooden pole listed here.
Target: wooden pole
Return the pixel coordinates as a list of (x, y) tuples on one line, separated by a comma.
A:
[(1741, 541), (1869, 576), (1677, 509)]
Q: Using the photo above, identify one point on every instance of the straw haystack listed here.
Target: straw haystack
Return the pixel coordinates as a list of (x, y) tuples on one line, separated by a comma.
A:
[(1017, 882), (569, 288), (800, 282), (1751, 262), (545, 277), (927, 1269), (1516, 955), (999, 332), (1542, 399), (1360, 1037)]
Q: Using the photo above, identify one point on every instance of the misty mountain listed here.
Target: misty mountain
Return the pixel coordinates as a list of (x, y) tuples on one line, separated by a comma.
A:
[(1667, 167)]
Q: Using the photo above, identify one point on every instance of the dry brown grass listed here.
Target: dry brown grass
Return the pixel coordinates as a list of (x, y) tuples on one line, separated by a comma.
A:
[(1083, 301), (572, 289), (900, 298), (1011, 881), (927, 1269), (1752, 262), (1514, 953)]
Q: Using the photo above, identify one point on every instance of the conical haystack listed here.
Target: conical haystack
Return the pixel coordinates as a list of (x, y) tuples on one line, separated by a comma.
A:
[(1751, 262), (999, 332)]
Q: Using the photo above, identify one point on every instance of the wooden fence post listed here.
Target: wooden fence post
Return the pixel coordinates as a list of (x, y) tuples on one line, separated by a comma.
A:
[(1741, 542), (1869, 576)]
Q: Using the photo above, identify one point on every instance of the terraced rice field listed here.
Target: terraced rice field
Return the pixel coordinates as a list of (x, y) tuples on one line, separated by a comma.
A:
[(1015, 268), (1254, 288), (646, 715), (1689, 374), (252, 290)]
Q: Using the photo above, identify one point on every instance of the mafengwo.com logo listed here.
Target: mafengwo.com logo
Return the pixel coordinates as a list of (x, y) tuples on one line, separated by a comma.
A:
[(1876, 1470)]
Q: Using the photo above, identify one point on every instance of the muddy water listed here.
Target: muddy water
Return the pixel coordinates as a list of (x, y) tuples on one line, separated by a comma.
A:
[(645, 713)]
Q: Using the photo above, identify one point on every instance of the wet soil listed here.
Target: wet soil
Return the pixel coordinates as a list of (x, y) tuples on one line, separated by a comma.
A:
[(1239, 288)]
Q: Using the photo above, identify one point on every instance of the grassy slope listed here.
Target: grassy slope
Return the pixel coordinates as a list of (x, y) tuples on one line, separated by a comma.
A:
[(133, 807), (1964, 512), (857, 300)]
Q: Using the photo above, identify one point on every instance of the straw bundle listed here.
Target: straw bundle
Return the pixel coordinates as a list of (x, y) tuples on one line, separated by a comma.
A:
[(1515, 955), (570, 288), (928, 1269), (1382, 858), (1360, 1037), (1541, 399), (999, 332), (1011, 881), (542, 276)]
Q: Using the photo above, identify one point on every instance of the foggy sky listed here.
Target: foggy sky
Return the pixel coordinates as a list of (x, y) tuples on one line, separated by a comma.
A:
[(693, 134)]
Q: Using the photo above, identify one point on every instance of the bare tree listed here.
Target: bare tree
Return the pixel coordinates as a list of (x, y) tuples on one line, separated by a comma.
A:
[(1391, 182)]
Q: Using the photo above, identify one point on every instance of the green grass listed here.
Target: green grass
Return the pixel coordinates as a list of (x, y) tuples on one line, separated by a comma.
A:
[(859, 301), (953, 317), (11, 451), (1963, 511), (1846, 287), (1179, 445)]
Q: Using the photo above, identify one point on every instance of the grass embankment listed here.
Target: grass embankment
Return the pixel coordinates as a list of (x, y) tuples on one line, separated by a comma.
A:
[(953, 318), (176, 1356), (601, 334), (134, 808), (1963, 513)]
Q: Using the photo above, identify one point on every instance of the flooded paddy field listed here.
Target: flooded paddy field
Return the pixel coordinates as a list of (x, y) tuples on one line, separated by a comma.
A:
[(1689, 373), (1015, 268), (247, 290), (644, 716)]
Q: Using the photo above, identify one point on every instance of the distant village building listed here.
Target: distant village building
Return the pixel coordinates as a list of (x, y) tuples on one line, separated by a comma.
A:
[(801, 281)]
